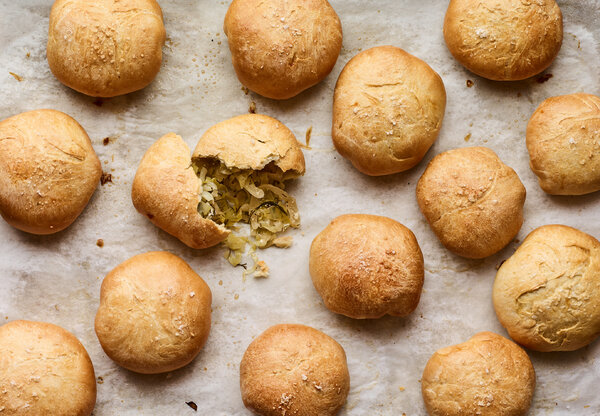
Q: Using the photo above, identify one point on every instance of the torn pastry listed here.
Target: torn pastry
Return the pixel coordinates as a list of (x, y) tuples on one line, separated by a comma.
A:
[(235, 176)]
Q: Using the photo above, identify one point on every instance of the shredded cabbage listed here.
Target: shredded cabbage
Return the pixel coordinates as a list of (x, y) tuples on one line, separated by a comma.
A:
[(229, 196)]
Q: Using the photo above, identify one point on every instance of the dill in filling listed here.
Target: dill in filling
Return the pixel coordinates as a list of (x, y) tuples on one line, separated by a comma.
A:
[(229, 196)]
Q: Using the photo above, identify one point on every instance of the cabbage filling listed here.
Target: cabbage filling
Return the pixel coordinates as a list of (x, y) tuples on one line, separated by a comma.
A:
[(229, 196)]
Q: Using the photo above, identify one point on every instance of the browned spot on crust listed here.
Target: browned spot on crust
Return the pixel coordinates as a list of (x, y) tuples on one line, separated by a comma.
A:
[(470, 83), (100, 243)]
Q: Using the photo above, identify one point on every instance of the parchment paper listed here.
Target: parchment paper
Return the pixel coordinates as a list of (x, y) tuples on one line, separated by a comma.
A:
[(57, 278)]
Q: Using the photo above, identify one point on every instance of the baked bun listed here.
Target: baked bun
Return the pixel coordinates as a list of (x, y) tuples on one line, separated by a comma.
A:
[(504, 40), (251, 141), (563, 139), (488, 375), (105, 48), (279, 48), (154, 313), (388, 108), (236, 174), (167, 191), (547, 294), (472, 201), (44, 370), (365, 266), (48, 171), (294, 370)]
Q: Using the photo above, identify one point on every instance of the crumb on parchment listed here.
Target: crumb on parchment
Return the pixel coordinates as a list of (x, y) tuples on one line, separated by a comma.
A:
[(262, 270), (543, 78), (308, 137), (105, 178), (16, 76)]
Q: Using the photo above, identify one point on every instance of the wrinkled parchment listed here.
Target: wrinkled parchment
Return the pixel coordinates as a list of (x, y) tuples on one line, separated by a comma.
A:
[(57, 278)]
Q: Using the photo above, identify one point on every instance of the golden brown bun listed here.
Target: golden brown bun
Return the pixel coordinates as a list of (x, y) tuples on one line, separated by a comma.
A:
[(547, 294), (473, 201), (388, 109), (252, 141), (365, 266), (154, 313), (563, 139), (294, 370), (48, 171), (166, 190), (105, 48), (488, 375), (279, 48), (44, 370), (504, 40)]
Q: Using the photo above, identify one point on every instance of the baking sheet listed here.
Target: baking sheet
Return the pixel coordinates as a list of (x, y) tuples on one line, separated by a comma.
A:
[(57, 278)]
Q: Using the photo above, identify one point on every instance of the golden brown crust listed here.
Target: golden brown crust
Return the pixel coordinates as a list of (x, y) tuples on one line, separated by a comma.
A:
[(473, 201), (251, 141), (547, 294), (388, 109), (504, 40), (563, 139), (294, 370), (48, 171), (154, 313), (166, 191), (44, 370), (365, 266), (105, 48), (488, 375), (279, 48)]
